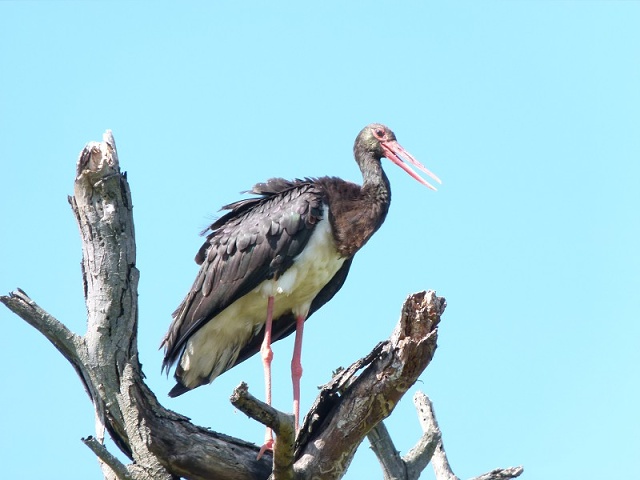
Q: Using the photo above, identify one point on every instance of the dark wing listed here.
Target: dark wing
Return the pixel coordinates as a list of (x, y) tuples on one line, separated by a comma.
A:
[(256, 240), (286, 324)]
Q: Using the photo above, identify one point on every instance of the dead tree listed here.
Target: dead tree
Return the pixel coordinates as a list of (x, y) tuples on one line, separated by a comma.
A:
[(163, 444)]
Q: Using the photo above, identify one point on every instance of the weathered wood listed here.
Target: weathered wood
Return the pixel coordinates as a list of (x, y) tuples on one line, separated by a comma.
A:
[(373, 394), (283, 424), (420, 455), (410, 466), (111, 466), (393, 467), (163, 444), (501, 474), (439, 459)]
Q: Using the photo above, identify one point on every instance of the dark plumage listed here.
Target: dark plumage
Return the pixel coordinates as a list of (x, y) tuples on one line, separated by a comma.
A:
[(257, 240), (294, 242)]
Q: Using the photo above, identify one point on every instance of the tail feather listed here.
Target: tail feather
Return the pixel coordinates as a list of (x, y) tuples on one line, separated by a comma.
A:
[(178, 389)]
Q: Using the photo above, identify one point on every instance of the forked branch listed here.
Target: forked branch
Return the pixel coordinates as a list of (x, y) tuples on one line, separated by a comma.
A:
[(429, 448)]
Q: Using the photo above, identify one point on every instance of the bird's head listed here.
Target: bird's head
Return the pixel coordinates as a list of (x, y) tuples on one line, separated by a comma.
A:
[(379, 140)]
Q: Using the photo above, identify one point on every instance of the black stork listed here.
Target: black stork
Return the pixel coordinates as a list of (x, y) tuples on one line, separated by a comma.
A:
[(275, 259)]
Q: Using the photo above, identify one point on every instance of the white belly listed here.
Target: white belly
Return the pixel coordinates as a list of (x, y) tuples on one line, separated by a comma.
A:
[(215, 347)]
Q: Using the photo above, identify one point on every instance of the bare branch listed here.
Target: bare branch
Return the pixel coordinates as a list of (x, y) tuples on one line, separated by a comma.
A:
[(67, 342), (393, 467), (118, 468), (421, 454), (415, 461), (429, 447), (439, 459), (256, 409), (329, 442), (429, 423), (281, 423), (501, 474), (440, 463)]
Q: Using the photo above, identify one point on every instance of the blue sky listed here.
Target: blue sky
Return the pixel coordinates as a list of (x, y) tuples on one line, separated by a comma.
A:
[(529, 111)]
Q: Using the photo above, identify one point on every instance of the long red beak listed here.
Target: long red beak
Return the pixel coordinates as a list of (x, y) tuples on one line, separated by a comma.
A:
[(398, 155)]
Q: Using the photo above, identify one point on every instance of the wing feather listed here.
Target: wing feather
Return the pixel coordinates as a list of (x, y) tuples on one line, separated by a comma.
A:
[(256, 240)]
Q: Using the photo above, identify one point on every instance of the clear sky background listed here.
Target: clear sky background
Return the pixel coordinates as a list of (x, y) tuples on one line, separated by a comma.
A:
[(529, 111)]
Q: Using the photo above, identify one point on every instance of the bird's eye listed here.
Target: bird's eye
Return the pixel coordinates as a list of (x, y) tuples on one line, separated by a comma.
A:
[(379, 132)]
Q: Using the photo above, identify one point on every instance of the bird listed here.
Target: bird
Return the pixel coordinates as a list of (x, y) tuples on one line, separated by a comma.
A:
[(274, 259)]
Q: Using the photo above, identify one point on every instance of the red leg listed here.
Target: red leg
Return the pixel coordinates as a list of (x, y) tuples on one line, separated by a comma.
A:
[(267, 356), (296, 369)]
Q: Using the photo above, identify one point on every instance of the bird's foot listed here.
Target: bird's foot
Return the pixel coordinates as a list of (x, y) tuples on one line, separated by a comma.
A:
[(268, 445)]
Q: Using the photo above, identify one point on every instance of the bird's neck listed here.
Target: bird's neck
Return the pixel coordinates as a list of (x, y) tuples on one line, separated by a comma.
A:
[(358, 211), (375, 184)]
